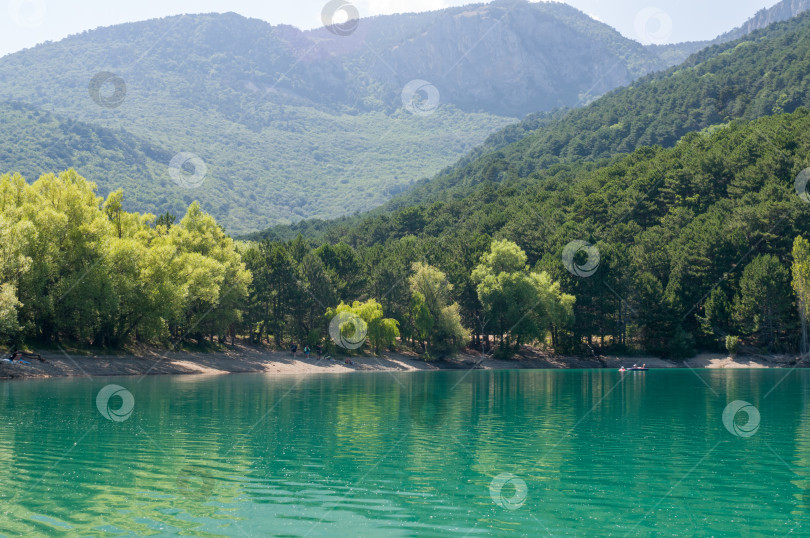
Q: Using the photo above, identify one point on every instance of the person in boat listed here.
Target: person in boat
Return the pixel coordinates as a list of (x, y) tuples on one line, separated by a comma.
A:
[(622, 369)]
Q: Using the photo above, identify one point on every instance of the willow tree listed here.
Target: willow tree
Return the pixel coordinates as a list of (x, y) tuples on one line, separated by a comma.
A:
[(14, 237), (77, 267), (434, 313), (362, 322), (217, 277), (520, 305)]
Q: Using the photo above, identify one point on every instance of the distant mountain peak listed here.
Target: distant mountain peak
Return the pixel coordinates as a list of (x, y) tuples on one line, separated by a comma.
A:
[(295, 124), (784, 10)]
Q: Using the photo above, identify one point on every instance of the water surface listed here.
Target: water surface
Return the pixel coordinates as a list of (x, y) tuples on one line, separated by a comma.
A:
[(431, 453)]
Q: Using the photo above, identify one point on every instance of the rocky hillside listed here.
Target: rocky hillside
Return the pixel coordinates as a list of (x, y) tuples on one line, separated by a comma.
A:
[(288, 124), (784, 10), (508, 57)]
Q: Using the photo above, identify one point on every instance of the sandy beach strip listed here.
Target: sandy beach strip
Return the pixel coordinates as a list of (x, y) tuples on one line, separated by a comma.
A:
[(246, 359)]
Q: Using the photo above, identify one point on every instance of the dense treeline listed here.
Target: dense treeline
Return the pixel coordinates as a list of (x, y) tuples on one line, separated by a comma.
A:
[(490, 296), (695, 242), (700, 246), (76, 267)]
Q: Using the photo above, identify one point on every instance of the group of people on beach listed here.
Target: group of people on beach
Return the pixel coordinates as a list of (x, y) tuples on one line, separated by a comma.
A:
[(307, 351)]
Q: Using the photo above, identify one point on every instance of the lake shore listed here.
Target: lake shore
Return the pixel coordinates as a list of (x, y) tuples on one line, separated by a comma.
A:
[(245, 359)]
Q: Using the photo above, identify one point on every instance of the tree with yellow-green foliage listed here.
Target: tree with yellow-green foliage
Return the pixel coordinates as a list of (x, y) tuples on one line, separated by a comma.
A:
[(365, 318), (77, 267), (435, 315), (520, 305)]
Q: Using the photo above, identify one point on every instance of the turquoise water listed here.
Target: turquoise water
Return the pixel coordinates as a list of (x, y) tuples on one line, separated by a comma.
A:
[(438, 453)]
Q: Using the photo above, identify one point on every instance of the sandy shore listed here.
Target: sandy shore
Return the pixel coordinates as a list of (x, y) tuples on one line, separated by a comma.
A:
[(240, 359), (244, 359)]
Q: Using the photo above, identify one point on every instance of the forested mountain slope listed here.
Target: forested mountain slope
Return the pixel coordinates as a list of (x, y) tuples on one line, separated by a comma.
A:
[(783, 11), (292, 124), (39, 142), (765, 73), (693, 243)]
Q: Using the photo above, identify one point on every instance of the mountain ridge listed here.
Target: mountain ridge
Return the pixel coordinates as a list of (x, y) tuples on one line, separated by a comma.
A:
[(291, 130), (718, 85), (784, 10), (593, 131)]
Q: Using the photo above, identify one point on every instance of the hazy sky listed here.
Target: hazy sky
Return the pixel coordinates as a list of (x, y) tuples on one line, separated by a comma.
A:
[(28, 22)]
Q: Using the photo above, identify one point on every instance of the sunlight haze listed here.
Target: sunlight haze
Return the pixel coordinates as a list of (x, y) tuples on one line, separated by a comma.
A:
[(30, 22)]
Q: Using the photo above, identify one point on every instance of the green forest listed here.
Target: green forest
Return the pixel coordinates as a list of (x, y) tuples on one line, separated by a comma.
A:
[(695, 243), (765, 73), (762, 74), (77, 268), (700, 246), (669, 217), (288, 122)]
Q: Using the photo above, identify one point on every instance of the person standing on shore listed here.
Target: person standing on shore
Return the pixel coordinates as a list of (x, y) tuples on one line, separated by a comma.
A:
[(293, 349)]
